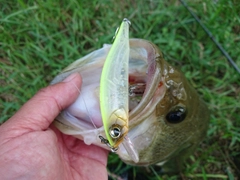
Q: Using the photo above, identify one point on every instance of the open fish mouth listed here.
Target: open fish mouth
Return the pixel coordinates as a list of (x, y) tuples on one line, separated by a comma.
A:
[(145, 86), (167, 119)]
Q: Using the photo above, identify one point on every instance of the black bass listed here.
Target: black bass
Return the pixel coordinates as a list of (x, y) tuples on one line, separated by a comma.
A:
[(167, 119)]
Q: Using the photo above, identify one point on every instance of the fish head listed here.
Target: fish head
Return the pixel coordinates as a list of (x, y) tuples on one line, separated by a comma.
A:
[(171, 119), (167, 118)]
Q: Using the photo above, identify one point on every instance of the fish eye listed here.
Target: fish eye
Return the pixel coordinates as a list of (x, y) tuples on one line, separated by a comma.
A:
[(115, 132), (176, 115)]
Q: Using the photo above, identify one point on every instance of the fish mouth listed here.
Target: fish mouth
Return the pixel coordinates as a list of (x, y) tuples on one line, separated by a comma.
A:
[(152, 80), (155, 90), (146, 88)]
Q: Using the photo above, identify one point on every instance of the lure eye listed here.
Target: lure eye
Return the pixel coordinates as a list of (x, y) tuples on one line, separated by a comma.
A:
[(115, 132), (176, 115)]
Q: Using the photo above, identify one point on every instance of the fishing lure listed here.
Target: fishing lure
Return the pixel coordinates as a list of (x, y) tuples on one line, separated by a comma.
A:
[(114, 95), (114, 89), (224, 52)]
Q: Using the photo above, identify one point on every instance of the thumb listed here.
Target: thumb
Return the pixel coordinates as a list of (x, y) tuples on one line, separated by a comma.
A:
[(40, 111)]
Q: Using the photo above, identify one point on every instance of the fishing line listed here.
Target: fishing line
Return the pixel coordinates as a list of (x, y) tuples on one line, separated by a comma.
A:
[(212, 37), (90, 117), (103, 140)]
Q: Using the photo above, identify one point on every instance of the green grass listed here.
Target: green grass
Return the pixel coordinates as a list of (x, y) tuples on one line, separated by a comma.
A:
[(39, 38)]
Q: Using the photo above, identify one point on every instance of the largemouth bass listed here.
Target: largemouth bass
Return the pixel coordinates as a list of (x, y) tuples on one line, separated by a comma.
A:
[(167, 119)]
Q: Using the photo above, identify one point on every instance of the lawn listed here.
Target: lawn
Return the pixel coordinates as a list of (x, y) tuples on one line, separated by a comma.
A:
[(39, 38)]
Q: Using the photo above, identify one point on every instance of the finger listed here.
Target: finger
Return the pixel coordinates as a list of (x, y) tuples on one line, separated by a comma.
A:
[(39, 112)]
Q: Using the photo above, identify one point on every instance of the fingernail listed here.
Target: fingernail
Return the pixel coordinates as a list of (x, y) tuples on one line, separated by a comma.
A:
[(69, 78)]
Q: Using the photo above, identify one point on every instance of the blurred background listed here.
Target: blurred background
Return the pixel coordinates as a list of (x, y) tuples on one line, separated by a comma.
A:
[(39, 38)]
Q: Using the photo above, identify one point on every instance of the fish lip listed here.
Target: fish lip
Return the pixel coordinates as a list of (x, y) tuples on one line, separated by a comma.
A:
[(153, 75), (161, 161), (143, 115), (154, 91)]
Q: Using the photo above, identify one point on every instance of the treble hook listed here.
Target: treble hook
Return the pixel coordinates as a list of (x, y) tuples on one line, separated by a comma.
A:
[(105, 141)]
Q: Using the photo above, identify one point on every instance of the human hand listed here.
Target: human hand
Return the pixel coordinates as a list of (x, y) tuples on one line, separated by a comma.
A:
[(31, 148)]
